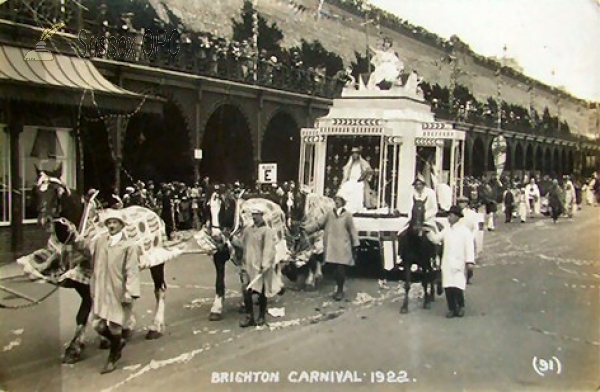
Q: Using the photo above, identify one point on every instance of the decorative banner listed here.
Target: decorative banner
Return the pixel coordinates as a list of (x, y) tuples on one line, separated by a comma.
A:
[(499, 153), (267, 173)]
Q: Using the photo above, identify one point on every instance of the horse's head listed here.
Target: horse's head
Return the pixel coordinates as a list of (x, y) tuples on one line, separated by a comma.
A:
[(417, 220), (50, 191), (297, 209)]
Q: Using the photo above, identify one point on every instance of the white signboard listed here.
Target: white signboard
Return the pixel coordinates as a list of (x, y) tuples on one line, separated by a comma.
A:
[(198, 154), (267, 173)]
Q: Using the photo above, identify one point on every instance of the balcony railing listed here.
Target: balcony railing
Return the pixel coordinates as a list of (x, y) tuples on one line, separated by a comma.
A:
[(194, 53)]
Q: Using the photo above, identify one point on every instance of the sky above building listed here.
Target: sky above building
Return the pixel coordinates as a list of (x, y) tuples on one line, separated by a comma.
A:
[(555, 41)]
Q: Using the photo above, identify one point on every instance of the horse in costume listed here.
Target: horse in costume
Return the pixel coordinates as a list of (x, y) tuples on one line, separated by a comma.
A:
[(223, 242), (417, 251), (306, 248), (65, 214)]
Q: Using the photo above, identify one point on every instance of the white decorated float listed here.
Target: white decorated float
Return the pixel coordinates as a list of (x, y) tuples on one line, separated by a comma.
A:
[(397, 135)]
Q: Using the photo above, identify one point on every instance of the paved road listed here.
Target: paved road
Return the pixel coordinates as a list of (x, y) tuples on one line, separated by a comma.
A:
[(535, 295)]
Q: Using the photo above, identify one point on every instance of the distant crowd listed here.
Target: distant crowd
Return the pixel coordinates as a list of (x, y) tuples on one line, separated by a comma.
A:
[(187, 207)]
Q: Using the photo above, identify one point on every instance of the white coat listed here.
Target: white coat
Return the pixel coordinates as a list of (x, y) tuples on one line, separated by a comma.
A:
[(532, 193), (115, 279), (459, 249), (339, 238)]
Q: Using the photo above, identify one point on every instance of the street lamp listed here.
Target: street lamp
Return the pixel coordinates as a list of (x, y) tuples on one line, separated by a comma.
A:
[(255, 38), (499, 87)]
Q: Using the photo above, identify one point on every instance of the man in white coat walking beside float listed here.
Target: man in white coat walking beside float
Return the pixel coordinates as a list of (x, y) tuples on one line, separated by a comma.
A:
[(340, 241), (459, 251), (115, 283)]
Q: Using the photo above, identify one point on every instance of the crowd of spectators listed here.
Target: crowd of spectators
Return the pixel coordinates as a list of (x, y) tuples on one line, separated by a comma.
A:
[(187, 206), (206, 54), (509, 195)]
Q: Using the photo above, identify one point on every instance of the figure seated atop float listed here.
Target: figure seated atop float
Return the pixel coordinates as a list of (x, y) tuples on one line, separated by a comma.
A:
[(388, 67), (355, 183)]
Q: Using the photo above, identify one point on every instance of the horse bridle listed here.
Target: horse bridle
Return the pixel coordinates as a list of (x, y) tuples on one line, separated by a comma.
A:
[(43, 184)]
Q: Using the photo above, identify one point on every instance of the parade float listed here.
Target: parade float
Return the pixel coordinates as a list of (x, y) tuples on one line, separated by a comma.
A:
[(388, 123)]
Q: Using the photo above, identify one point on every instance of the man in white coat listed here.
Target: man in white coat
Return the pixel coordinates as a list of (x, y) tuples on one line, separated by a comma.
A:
[(532, 194), (340, 241), (259, 242), (471, 220), (115, 283), (459, 251)]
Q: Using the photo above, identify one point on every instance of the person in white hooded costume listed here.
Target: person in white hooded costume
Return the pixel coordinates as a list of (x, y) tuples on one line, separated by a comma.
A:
[(355, 187)]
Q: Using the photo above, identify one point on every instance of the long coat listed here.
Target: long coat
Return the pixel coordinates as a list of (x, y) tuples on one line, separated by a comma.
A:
[(339, 238), (459, 249), (259, 254), (116, 278)]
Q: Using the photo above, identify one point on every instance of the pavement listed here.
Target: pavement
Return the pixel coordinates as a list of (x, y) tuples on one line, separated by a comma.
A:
[(532, 323)]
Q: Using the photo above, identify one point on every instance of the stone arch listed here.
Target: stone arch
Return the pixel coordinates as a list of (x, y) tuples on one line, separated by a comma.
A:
[(547, 167), (490, 156), (519, 157), (210, 110), (281, 144), (564, 160), (570, 161), (539, 157), (555, 161), (530, 157), (160, 148), (228, 145), (510, 145), (479, 164), (277, 111), (98, 157)]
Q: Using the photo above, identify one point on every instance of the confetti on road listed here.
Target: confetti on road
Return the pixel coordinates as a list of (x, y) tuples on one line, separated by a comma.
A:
[(284, 324), (132, 367), (18, 331), (12, 345), (276, 312)]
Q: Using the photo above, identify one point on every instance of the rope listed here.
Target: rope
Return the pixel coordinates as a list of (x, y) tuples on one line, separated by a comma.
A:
[(34, 303)]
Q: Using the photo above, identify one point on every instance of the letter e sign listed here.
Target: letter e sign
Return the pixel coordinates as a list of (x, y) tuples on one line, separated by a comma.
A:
[(267, 173)]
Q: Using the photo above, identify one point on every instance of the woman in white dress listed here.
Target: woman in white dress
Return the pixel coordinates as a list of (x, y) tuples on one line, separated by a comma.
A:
[(387, 65)]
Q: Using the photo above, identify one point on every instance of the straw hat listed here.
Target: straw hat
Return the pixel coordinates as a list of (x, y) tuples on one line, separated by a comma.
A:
[(113, 214), (257, 209)]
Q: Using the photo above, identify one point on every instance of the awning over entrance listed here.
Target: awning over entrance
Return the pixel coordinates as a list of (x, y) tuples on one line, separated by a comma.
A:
[(62, 80)]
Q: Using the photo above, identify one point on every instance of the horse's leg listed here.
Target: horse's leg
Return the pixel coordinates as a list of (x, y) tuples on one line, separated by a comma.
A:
[(310, 279), (427, 283), (75, 347), (157, 328), (404, 308), (217, 308), (318, 271)]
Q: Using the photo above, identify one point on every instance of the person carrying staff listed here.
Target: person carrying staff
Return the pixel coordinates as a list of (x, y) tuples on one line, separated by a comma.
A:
[(258, 242), (115, 283)]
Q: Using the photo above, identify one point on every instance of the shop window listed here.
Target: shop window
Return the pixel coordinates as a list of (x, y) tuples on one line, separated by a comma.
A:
[(44, 148)]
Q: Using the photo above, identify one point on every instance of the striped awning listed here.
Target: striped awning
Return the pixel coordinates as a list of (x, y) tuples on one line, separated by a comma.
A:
[(27, 75)]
